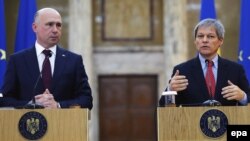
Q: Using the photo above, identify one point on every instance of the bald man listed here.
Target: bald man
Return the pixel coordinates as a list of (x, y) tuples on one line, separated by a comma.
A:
[(25, 80)]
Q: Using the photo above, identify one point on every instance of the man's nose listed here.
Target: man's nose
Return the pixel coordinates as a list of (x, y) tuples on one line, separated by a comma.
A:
[(205, 39), (55, 28)]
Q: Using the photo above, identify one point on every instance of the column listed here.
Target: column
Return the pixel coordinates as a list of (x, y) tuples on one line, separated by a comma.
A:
[(80, 42)]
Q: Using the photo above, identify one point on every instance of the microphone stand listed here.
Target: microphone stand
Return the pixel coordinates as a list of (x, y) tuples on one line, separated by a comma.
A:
[(33, 104)]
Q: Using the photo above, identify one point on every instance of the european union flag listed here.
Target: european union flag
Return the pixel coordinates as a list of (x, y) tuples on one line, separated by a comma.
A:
[(244, 46), (25, 37), (2, 43), (207, 9)]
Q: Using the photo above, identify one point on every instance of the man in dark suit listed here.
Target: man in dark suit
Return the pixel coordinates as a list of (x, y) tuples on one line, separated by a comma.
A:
[(67, 83), (190, 78)]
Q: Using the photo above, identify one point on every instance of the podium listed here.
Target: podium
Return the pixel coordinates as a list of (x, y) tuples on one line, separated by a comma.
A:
[(183, 123), (62, 124)]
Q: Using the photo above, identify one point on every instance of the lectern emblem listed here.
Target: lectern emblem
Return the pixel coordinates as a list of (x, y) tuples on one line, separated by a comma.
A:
[(32, 125), (213, 123)]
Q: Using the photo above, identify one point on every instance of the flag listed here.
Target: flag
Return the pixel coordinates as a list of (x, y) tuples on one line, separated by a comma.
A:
[(244, 46), (208, 11), (25, 37), (2, 43)]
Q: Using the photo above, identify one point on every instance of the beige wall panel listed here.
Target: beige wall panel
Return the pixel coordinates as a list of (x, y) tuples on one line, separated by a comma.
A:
[(127, 19), (127, 22)]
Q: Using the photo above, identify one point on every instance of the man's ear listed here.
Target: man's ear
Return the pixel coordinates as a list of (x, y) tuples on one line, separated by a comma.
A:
[(34, 27)]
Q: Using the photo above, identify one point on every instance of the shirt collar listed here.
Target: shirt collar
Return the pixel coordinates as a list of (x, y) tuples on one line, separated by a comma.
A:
[(203, 64), (40, 48)]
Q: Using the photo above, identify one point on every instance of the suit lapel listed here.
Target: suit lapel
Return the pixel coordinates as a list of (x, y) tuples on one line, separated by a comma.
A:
[(32, 64), (221, 76), (199, 78), (60, 62), (33, 70)]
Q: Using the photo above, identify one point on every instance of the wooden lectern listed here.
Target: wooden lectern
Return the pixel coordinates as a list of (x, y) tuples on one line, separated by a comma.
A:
[(62, 124), (183, 123)]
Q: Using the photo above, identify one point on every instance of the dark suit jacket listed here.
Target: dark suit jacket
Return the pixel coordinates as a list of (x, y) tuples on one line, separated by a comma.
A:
[(69, 83), (197, 92)]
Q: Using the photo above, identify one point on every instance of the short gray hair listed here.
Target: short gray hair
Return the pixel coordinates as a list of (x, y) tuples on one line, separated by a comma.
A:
[(220, 30)]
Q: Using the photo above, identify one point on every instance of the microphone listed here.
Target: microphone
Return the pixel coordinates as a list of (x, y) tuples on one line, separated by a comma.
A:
[(211, 101), (168, 97), (33, 104)]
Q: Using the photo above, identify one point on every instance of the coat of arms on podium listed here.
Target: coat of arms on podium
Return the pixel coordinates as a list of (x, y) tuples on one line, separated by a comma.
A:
[(32, 125), (213, 123)]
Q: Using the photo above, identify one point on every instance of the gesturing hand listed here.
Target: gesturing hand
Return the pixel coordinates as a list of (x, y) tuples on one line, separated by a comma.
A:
[(178, 82), (232, 92)]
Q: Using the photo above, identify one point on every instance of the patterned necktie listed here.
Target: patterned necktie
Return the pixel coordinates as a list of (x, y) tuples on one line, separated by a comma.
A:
[(210, 80), (46, 72)]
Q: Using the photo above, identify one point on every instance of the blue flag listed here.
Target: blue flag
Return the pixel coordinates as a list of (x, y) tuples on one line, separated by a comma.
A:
[(25, 37), (2, 43), (207, 9), (244, 46)]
